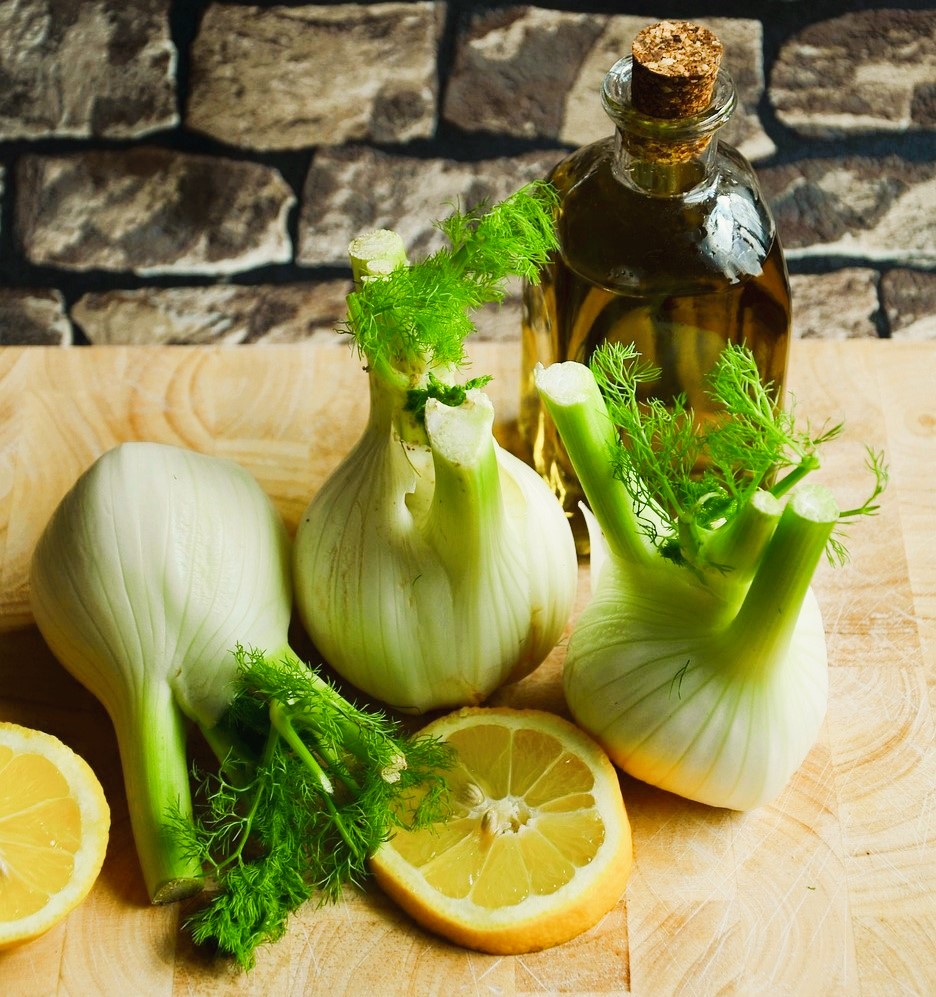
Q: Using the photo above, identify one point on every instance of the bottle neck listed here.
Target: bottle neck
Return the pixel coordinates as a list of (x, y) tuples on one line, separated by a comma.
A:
[(665, 157), (647, 173)]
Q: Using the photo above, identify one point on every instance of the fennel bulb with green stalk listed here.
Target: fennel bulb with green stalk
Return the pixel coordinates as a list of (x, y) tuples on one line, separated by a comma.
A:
[(162, 584), (699, 662), (433, 566), (154, 566)]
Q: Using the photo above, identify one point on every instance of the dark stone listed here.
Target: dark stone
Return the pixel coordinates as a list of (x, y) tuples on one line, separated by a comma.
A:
[(33, 318), (855, 207), (909, 298), (864, 71)]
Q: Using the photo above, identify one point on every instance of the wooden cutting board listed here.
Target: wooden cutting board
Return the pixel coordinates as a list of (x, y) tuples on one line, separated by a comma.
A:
[(826, 891)]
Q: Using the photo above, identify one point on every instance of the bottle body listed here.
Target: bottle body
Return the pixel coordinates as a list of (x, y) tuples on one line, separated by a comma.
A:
[(678, 259)]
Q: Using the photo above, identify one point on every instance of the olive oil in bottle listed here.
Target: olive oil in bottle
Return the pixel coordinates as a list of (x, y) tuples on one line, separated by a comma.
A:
[(665, 242)]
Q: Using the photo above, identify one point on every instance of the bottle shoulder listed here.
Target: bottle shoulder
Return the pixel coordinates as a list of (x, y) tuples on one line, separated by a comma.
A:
[(615, 234), (596, 166)]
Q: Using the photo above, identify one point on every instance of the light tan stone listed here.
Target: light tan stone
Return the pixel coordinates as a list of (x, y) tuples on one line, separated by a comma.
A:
[(151, 211), (875, 210), (221, 314), (89, 68), (500, 323), (837, 305), (289, 77), (513, 68)]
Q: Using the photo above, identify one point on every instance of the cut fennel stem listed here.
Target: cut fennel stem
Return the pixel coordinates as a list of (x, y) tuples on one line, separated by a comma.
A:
[(712, 685)]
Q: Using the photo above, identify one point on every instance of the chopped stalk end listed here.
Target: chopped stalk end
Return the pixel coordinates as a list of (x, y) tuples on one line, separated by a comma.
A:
[(461, 435), (735, 548), (785, 570), (568, 383), (765, 505), (465, 513), (376, 254), (816, 504), (174, 890), (574, 400)]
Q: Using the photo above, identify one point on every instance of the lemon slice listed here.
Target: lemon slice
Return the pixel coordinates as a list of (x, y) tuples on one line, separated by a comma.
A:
[(54, 824), (538, 848)]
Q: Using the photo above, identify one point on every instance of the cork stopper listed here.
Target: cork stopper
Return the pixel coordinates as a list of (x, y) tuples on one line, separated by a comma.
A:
[(675, 67)]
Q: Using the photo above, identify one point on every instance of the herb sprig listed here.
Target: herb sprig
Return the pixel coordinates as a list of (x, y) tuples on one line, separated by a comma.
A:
[(311, 786), (688, 477), (418, 316)]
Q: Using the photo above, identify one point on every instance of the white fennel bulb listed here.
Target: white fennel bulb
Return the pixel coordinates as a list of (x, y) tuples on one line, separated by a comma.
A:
[(429, 574), (699, 662), (155, 565), (717, 706), (162, 583), (433, 566)]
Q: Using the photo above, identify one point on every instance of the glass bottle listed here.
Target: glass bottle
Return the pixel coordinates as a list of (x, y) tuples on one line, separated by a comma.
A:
[(665, 242)]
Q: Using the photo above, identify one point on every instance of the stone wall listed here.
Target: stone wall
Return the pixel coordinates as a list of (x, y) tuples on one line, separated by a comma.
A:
[(192, 171)]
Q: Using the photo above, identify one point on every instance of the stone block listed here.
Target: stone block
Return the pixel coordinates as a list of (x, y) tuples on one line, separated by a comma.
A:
[(288, 77), (102, 68), (220, 314), (909, 299), (151, 211), (537, 73), (513, 69), (355, 189), (33, 317), (837, 305), (870, 70), (878, 210)]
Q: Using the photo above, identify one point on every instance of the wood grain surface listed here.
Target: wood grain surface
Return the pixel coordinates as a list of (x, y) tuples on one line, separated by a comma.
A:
[(829, 890)]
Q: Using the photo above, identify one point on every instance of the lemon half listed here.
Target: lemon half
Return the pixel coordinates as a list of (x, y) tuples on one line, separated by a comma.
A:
[(538, 849), (54, 826)]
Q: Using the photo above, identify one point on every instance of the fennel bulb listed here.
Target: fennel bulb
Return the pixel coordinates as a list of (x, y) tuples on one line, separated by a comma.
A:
[(699, 662), (153, 567), (433, 566), (162, 583)]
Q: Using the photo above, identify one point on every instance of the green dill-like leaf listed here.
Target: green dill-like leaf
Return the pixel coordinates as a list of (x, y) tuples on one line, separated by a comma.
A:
[(761, 437), (658, 449), (253, 844), (419, 316), (279, 834), (688, 477), (513, 238), (837, 551)]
